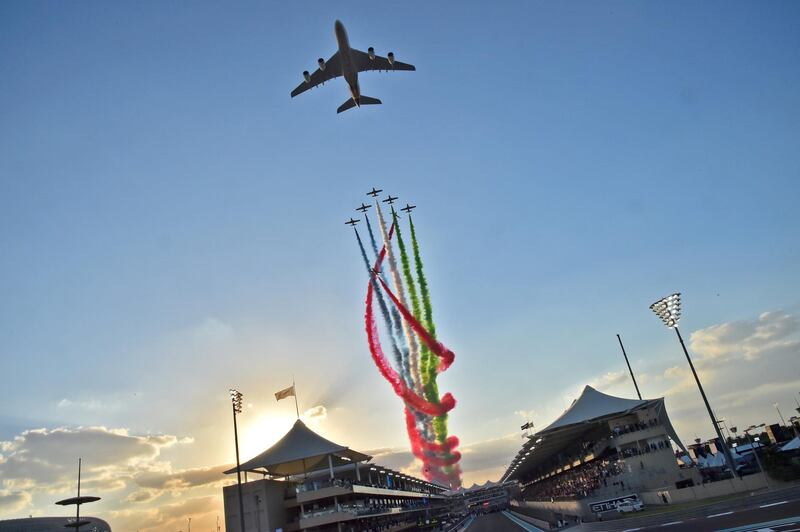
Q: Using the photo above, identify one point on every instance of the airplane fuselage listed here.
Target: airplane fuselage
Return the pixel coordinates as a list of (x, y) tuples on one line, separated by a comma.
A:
[(349, 70)]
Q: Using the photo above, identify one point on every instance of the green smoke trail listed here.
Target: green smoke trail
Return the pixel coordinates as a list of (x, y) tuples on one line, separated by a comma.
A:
[(425, 354), (423, 283), (406, 262), (413, 346), (428, 361)]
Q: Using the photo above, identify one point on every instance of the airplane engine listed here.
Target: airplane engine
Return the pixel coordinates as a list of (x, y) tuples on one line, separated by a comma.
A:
[(321, 63), (371, 52), (307, 76), (390, 57)]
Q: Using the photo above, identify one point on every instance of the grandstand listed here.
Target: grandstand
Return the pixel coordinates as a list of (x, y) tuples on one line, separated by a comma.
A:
[(600, 451), (307, 482), (484, 498)]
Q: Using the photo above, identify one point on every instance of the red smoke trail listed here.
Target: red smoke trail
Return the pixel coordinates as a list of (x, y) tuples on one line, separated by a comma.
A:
[(447, 402), (419, 445), (446, 355), (421, 448)]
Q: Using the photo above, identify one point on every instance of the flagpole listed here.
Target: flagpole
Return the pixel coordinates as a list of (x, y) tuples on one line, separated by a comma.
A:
[(296, 408)]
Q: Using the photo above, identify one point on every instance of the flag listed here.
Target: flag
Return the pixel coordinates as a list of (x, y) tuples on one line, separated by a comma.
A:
[(283, 394)]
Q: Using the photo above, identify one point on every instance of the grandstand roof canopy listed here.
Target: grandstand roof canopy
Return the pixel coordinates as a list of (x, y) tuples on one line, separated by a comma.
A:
[(586, 413), (301, 450), (793, 445)]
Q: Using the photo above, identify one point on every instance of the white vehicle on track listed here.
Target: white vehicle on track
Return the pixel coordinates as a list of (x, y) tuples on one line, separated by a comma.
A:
[(630, 506)]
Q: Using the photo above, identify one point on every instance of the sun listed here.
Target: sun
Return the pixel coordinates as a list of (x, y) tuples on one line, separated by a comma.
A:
[(261, 431)]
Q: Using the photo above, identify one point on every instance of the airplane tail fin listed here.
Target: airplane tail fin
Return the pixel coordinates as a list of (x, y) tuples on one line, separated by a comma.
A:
[(363, 100)]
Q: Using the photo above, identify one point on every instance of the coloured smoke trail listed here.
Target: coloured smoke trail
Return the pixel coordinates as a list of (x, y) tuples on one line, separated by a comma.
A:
[(418, 356)]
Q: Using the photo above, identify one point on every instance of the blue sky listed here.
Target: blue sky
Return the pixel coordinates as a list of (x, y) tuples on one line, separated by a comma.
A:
[(171, 221)]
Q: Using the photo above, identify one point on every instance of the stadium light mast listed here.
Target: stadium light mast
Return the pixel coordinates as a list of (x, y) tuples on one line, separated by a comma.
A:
[(755, 452), (669, 310), (629, 368), (236, 403)]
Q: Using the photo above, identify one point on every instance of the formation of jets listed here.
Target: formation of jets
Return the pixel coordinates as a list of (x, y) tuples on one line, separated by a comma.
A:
[(348, 62), (389, 199)]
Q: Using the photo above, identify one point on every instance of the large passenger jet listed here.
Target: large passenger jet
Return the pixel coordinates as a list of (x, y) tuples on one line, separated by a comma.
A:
[(348, 62)]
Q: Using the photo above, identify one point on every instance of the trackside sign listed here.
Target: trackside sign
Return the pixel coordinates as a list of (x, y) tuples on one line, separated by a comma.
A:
[(611, 504)]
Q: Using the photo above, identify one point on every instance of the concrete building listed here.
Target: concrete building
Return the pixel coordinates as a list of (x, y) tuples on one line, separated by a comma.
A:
[(779, 434), (310, 483)]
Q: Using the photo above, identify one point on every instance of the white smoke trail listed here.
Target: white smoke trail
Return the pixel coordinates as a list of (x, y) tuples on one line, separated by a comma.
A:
[(413, 347)]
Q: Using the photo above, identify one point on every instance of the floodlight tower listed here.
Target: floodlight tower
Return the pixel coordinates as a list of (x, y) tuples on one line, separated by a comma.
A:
[(669, 310), (236, 403)]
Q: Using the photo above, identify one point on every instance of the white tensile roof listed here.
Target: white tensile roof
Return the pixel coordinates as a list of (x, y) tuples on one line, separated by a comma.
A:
[(301, 450), (585, 414), (592, 404)]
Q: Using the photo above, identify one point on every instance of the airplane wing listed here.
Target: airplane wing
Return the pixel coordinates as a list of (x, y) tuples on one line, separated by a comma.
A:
[(364, 63), (333, 69)]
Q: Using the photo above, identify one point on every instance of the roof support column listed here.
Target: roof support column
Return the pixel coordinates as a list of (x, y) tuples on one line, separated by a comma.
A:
[(358, 472), (330, 465)]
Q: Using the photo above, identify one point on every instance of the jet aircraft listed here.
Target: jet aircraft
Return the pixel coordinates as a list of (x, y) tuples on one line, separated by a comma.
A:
[(390, 200), (374, 192), (352, 222), (408, 208), (348, 62), (363, 208)]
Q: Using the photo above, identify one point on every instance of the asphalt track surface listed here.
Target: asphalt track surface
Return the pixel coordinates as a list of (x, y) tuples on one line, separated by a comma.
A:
[(740, 514), (752, 519), (496, 521)]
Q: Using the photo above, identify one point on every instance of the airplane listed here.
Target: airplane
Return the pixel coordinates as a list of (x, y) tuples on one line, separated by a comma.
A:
[(390, 199), (374, 193), (348, 62), (408, 208), (352, 222), (363, 208)]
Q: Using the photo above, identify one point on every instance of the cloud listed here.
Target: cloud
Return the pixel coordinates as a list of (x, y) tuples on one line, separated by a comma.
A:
[(94, 405), (187, 478), (676, 372), (747, 339), (142, 496), (12, 501), (397, 458), (744, 366), (44, 454), (526, 415), (45, 461), (610, 380), (318, 412), (202, 510)]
